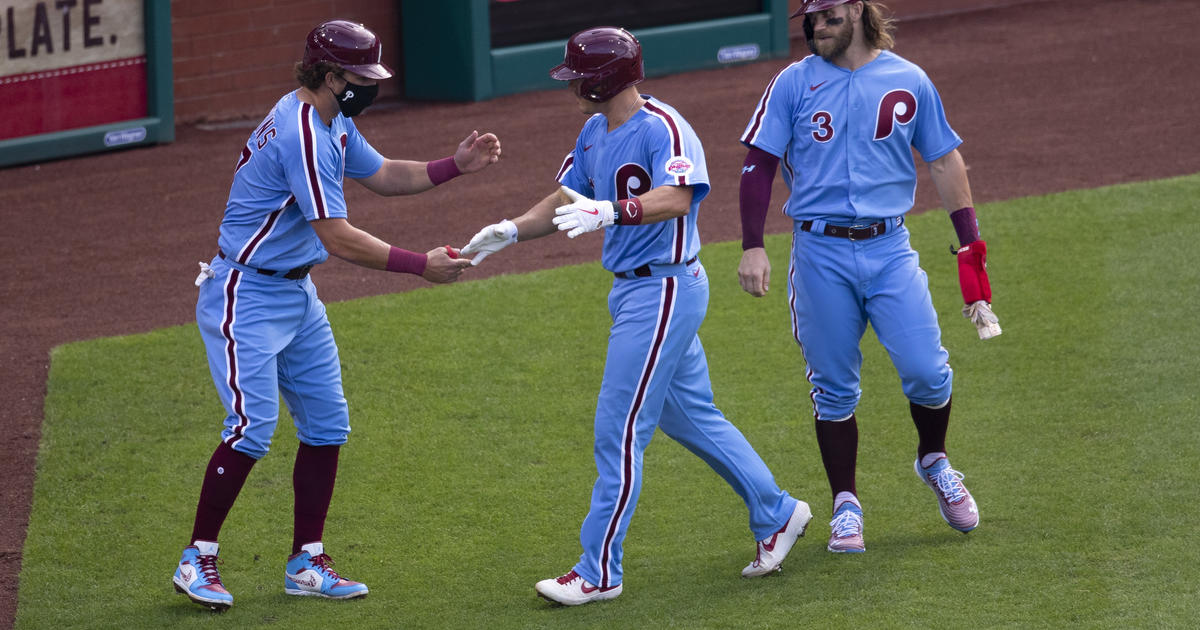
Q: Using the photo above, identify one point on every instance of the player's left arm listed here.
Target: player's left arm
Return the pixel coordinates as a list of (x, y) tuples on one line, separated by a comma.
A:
[(407, 177), (660, 204), (949, 174)]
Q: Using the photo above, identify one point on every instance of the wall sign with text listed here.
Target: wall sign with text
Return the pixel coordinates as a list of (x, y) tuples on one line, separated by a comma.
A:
[(68, 64)]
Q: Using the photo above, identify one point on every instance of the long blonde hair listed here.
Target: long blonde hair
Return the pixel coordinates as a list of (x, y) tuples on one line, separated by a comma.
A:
[(878, 27)]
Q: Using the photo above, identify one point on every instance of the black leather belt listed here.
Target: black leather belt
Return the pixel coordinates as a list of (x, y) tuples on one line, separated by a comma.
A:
[(292, 274), (644, 271), (860, 233)]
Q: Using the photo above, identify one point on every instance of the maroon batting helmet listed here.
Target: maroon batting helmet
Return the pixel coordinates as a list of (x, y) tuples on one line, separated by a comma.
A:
[(812, 6), (352, 46), (608, 59)]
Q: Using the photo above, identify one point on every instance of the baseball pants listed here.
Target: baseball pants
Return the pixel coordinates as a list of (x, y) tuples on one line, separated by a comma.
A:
[(265, 336), (656, 375), (835, 288)]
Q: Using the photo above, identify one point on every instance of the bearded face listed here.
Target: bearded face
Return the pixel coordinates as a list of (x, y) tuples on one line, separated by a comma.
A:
[(832, 31)]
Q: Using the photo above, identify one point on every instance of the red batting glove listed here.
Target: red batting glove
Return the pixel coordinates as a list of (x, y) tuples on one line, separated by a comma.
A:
[(972, 273)]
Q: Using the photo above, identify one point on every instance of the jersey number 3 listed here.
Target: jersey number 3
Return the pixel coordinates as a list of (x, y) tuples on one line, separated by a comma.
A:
[(896, 107), (824, 123)]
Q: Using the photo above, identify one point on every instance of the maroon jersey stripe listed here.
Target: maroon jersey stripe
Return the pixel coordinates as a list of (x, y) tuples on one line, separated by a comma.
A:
[(310, 161), (238, 401), (263, 231), (761, 110), (566, 166), (680, 229), (676, 139)]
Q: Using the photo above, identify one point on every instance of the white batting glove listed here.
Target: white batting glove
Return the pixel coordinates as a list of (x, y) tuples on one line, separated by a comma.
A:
[(490, 240), (980, 313), (583, 214)]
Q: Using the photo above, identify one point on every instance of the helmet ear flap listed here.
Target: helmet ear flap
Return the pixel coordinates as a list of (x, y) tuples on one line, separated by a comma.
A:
[(808, 35), (598, 89)]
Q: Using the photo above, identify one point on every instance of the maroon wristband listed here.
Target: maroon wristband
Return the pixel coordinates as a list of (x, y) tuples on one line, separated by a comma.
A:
[(629, 211), (404, 261), (441, 171), (966, 225)]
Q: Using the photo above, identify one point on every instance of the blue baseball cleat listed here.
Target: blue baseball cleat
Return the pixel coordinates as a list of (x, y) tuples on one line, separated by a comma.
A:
[(846, 530), (954, 500), (309, 573), (197, 577)]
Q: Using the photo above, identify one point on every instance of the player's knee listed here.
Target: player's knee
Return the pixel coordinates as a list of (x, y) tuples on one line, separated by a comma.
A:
[(829, 407), (930, 387), (249, 446), (327, 440), (324, 436)]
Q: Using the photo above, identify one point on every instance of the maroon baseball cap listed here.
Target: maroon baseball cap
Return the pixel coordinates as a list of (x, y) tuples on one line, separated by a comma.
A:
[(352, 46)]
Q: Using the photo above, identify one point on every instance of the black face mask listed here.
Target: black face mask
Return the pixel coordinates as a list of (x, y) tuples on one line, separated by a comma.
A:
[(353, 99)]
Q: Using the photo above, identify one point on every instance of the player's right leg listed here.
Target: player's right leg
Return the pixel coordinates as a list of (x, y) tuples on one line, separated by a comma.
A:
[(828, 322), (246, 320), (643, 350), (311, 381)]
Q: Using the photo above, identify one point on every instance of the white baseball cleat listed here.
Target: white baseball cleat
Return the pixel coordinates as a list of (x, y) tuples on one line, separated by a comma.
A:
[(771, 551), (572, 590)]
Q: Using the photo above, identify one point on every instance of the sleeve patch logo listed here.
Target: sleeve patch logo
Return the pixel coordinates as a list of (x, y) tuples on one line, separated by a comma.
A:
[(679, 166)]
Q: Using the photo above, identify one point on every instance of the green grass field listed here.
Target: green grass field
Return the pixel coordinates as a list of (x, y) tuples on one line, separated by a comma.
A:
[(469, 468)]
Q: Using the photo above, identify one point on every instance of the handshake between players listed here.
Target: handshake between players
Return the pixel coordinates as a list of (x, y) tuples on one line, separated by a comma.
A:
[(578, 216)]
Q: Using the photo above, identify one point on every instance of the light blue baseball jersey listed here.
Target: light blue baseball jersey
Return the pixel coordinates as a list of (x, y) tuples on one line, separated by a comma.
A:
[(843, 172), (290, 172), (655, 147), (265, 334)]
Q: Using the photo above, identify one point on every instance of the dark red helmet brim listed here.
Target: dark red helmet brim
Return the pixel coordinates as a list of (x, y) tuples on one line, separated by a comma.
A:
[(376, 71), (562, 73)]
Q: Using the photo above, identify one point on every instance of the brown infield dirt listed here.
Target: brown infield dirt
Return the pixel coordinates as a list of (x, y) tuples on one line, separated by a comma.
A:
[(1048, 96)]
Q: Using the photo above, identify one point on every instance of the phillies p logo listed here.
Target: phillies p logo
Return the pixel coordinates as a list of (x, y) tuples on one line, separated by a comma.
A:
[(896, 107)]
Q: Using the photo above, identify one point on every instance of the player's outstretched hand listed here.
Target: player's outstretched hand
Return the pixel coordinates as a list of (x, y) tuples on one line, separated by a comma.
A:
[(754, 272), (477, 151), (583, 214), (444, 265), (490, 240)]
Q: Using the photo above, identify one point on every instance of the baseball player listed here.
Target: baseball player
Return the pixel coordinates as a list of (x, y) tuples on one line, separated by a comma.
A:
[(844, 121), (264, 328), (638, 172)]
